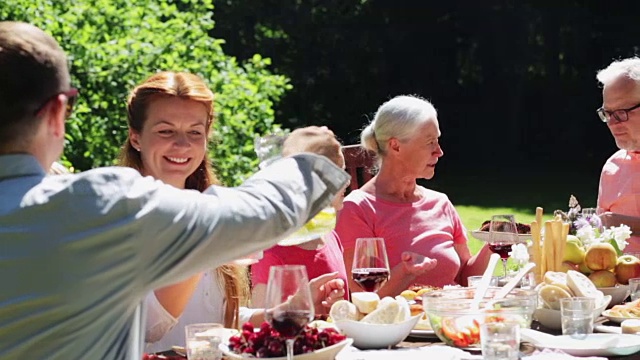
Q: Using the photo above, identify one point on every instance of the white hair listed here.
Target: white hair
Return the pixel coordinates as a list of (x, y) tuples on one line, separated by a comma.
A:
[(629, 68), (399, 117)]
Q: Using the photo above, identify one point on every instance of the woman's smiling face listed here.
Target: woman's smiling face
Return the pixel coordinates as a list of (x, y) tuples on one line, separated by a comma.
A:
[(173, 140)]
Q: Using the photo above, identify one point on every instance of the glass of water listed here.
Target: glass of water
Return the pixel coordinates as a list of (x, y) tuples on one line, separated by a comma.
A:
[(500, 340), (577, 316), (634, 289), (203, 341)]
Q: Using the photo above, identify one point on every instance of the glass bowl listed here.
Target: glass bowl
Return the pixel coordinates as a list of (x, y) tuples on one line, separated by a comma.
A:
[(457, 324)]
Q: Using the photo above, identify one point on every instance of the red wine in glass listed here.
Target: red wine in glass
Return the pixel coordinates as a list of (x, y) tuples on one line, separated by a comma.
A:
[(290, 323), (370, 279), (501, 249), (502, 234), (289, 306), (370, 267)]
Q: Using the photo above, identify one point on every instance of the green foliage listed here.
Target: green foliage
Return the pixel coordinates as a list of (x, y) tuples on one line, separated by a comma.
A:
[(115, 44)]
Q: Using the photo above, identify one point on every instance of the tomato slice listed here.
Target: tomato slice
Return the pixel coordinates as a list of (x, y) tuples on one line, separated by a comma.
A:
[(450, 331), (461, 331), (475, 332)]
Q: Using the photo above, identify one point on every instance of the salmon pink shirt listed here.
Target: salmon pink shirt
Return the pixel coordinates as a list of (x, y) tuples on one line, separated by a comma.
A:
[(619, 190), (429, 226), (326, 259)]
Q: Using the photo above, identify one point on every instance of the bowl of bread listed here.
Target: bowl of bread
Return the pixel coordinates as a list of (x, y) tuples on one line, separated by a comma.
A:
[(374, 323), (558, 285)]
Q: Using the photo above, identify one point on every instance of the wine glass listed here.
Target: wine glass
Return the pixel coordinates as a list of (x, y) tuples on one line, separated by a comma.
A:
[(289, 306), (502, 234), (370, 268), (268, 148)]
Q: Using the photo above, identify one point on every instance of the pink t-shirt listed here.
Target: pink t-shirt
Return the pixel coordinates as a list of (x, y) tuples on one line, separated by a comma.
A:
[(327, 259), (429, 227), (619, 190)]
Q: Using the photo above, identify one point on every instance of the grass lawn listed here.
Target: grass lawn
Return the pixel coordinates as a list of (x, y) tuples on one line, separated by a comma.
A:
[(478, 195), (473, 217)]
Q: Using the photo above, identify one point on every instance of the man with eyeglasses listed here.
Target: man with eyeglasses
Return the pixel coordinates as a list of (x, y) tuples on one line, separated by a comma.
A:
[(619, 191), (78, 252)]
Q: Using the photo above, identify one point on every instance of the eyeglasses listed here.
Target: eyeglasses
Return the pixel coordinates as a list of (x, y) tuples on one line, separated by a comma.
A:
[(72, 96), (621, 115)]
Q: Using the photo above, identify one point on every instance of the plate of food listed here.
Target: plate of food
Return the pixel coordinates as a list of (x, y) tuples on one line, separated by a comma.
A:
[(413, 295), (485, 236), (620, 313), (328, 352), (617, 317), (423, 333), (316, 344), (524, 232)]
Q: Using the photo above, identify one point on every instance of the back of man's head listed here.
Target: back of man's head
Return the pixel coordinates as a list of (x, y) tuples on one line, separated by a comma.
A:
[(33, 68)]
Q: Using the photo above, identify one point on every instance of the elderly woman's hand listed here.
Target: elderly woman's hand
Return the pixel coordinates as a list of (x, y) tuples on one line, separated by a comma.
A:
[(416, 264), (325, 290)]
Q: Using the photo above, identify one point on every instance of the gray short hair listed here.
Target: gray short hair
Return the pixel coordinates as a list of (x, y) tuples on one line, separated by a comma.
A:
[(399, 118), (629, 68)]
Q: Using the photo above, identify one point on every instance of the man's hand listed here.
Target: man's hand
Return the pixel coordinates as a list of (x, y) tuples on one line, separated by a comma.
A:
[(325, 290), (416, 264), (313, 139)]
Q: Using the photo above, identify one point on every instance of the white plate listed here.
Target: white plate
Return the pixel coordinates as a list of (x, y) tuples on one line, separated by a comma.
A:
[(620, 345), (484, 236), (615, 319), (608, 329), (423, 333), (328, 353)]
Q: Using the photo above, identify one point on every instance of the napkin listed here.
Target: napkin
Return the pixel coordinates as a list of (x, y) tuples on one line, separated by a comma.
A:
[(434, 352), (548, 354)]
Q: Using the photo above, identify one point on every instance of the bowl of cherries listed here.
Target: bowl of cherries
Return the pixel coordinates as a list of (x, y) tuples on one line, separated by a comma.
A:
[(311, 344)]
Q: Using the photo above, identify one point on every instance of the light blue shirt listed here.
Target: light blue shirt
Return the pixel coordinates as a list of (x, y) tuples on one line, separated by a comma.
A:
[(79, 252)]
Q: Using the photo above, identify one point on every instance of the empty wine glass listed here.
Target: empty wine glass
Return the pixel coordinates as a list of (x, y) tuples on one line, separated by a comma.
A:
[(268, 149), (289, 306), (502, 234), (370, 268)]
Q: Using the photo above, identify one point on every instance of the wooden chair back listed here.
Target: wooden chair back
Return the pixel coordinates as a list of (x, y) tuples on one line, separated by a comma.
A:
[(360, 164)]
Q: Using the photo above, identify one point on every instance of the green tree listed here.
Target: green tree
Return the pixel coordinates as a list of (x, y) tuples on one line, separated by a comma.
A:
[(115, 44)]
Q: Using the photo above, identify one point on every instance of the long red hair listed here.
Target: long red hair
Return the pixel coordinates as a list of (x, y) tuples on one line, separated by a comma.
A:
[(189, 87)]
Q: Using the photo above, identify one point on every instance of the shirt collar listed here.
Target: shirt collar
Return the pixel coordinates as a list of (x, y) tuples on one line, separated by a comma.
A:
[(19, 165)]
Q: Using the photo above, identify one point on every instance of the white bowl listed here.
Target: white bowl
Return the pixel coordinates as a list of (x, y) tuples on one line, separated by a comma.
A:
[(377, 336), (618, 293), (551, 318), (328, 353)]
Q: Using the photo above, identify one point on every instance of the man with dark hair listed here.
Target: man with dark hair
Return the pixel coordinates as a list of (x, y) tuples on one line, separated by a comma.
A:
[(78, 252)]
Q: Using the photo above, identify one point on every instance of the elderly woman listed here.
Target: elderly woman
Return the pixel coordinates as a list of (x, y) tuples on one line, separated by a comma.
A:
[(425, 239)]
